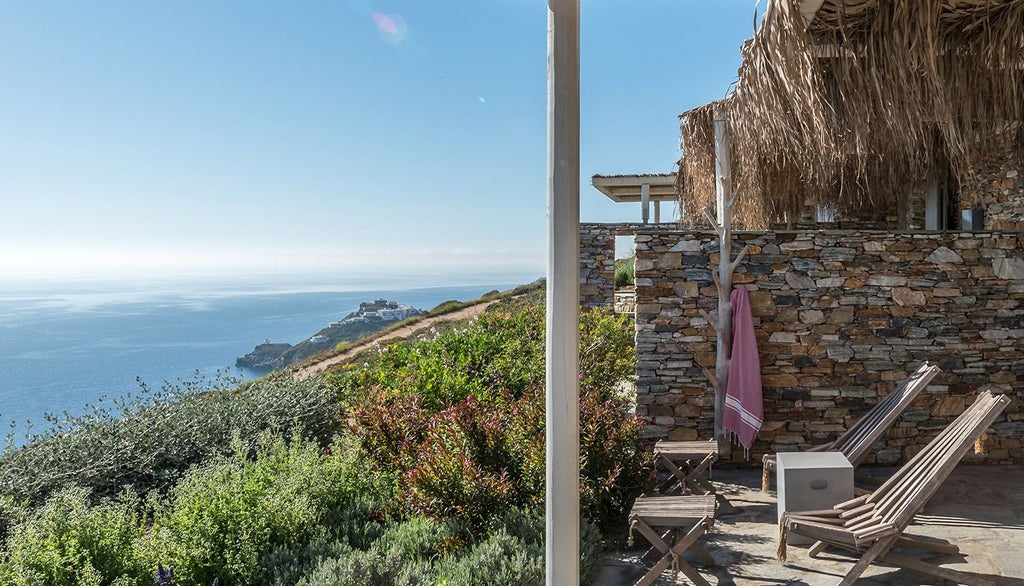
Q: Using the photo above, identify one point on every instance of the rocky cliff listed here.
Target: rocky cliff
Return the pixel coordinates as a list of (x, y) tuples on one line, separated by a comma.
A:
[(369, 318), (266, 356)]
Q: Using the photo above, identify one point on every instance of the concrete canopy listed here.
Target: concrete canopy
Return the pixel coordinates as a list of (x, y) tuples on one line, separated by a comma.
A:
[(627, 188)]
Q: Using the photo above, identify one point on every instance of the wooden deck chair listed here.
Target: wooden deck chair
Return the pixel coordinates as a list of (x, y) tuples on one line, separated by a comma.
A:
[(874, 523), (673, 524), (855, 443)]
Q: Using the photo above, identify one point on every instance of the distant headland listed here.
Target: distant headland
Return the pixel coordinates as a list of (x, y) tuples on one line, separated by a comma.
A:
[(371, 317)]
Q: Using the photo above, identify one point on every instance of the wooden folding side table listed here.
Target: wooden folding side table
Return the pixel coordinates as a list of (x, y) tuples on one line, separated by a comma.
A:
[(673, 524), (687, 462)]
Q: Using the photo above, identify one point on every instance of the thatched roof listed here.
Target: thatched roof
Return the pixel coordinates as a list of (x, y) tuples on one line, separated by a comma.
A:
[(857, 105)]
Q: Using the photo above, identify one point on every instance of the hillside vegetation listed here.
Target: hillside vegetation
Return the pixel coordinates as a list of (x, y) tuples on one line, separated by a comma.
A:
[(421, 463)]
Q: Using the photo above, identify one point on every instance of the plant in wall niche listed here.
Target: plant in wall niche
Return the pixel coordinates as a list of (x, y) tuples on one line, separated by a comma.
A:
[(624, 272)]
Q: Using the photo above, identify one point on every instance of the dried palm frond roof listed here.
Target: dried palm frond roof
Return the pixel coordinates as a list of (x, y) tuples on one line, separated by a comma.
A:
[(852, 107)]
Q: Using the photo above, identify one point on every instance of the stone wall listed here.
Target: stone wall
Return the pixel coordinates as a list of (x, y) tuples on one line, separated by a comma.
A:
[(597, 259), (597, 265), (998, 189), (841, 317)]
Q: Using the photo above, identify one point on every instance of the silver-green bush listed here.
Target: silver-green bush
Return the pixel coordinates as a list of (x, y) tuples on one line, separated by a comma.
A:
[(148, 441)]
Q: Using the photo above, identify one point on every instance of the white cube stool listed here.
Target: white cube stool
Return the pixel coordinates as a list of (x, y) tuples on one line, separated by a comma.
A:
[(812, 481)]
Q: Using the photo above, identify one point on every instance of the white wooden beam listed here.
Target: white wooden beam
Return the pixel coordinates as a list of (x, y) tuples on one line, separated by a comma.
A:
[(562, 525)]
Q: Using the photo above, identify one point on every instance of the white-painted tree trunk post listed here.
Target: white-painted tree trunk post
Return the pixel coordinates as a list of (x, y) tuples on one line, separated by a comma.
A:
[(562, 358), (723, 278), (722, 162)]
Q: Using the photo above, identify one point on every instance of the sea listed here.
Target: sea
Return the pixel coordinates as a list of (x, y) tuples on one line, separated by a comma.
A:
[(67, 345)]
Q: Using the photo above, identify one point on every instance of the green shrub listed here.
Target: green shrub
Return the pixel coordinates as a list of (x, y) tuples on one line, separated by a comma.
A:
[(502, 558), (476, 459), (402, 555), (502, 350), (68, 542), (11, 513), (607, 353), (448, 307), (446, 437), (615, 468), (225, 517), (499, 349), (436, 414), (624, 271), (156, 436), (357, 568), (407, 554), (287, 565)]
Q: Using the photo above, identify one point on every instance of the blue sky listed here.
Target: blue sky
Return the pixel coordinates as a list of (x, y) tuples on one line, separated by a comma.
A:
[(217, 137)]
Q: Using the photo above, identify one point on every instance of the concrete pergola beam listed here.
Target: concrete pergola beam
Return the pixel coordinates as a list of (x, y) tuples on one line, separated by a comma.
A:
[(643, 188)]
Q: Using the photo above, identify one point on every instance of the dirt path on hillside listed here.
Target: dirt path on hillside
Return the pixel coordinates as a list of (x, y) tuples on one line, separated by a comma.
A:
[(403, 332)]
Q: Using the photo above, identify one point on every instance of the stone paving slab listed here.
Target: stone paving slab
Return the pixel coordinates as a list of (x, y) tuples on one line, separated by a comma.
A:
[(979, 508)]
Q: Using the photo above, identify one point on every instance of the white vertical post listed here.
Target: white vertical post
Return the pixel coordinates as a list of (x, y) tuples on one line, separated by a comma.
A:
[(657, 211), (645, 202), (562, 359), (722, 159)]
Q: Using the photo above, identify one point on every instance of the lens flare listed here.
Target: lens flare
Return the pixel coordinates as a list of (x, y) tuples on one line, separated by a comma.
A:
[(385, 23), (391, 27)]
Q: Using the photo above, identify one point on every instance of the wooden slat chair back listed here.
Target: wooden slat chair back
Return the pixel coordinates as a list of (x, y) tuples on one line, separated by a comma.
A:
[(856, 442), (875, 522)]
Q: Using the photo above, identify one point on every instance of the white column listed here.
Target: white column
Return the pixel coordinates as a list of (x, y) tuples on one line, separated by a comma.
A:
[(645, 202), (562, 359), (657, 211)]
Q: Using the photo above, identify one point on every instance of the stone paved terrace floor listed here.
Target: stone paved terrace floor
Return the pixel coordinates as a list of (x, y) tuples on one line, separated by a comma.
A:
[(979, 508)]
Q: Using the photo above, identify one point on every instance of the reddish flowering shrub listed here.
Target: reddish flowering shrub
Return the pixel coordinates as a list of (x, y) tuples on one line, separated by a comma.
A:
[(614, 467), (390, 428), (476, 459), (459, 419)]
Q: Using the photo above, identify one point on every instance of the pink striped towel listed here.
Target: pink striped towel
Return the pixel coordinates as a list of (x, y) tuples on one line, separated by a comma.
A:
[(744, 407)]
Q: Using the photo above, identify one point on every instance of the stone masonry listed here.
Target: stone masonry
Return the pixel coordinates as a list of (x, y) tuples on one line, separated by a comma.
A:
[(597, 260), (841, 317), (996, 187), (597, 265)]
